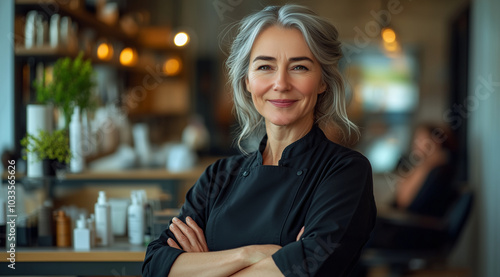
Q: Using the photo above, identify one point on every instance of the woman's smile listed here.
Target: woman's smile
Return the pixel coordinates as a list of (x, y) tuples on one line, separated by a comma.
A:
[(282, 103)]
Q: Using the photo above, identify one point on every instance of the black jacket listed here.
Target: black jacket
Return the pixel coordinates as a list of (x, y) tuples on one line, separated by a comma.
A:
[(318, 184)]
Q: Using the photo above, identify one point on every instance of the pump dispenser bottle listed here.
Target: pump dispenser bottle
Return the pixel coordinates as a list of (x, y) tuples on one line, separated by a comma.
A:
[(102, 212), (136, 221), (81, 235)]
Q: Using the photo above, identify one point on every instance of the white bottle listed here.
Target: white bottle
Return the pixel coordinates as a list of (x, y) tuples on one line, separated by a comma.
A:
[(135, 221), (102, 212), (81, 235), (75, 142), (91, 226)]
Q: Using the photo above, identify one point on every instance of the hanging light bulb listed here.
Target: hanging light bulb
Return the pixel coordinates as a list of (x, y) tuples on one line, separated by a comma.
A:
[(128, 56), (105, 51), (181, 39), (172, 66), (388, 35)]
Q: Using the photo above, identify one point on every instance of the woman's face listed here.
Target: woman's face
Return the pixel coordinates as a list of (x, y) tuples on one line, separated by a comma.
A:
[(284, 78)]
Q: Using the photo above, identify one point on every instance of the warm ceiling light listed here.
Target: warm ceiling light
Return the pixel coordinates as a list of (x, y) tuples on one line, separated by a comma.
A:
[(172, 66), (388, 35), (181, 39), (392, 47), (128, 56), (104, 51)]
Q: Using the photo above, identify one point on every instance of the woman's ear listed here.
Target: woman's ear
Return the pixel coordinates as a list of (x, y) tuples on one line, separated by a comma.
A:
[(322, 88)]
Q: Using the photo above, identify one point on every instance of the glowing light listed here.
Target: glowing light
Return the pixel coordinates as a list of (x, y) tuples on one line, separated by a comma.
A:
[(392, 47), (172, 66), (181, 39), (104, 51), (388, 35), (128, 56)]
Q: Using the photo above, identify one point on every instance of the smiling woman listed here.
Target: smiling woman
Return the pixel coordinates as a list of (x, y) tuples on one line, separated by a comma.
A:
[(301, 205)]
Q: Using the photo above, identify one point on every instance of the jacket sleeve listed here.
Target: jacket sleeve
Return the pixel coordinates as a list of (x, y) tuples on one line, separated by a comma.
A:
[(159, 256), (338, 223)]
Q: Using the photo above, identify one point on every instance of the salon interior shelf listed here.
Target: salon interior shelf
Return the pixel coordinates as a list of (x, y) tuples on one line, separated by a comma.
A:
[(77, 14), (104, 261), (135, 174), (42, 51)]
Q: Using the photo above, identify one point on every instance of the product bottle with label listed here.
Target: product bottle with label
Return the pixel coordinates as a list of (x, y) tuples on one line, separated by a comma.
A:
[(63, 230), (75, 142), (81, 235), (46, 225), (135, 221), (91, 226), (102, 212)]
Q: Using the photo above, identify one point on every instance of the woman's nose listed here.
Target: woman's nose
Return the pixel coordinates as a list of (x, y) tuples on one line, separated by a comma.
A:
[(282, 81)]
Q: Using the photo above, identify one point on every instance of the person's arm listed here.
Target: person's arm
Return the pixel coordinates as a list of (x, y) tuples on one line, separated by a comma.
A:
[(197, 261), (265, 267), (338, 223), (159, 255), (164, 257)]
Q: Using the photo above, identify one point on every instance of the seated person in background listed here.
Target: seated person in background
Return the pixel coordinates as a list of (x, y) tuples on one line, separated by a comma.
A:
[(427, 188)]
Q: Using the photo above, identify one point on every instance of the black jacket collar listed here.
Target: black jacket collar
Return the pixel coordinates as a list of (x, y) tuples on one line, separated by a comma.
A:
[(308, 142)]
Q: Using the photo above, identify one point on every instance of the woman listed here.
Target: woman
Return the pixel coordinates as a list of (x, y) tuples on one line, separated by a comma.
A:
[(428, 187), (299, 206)]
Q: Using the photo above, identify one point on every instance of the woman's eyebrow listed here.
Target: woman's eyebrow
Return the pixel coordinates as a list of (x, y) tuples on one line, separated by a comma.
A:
[(294, 59), (298, 59)]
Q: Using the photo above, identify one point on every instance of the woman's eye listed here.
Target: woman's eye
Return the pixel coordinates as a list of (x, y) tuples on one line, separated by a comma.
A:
[(264, 67), (300, 67)]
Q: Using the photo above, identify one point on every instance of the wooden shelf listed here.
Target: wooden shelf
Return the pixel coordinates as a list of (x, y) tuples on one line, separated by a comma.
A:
[(83, 17), (121, 251), (42, 51), (137, 174)]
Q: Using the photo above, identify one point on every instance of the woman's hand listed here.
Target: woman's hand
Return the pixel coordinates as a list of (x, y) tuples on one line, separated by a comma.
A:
[(190, 236)]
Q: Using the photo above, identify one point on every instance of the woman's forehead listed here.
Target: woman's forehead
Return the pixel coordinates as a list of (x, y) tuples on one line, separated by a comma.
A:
[(280, 42)]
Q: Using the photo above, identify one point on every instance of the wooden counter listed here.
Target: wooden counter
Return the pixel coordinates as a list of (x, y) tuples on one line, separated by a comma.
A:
[(119, 252), (119, 259)]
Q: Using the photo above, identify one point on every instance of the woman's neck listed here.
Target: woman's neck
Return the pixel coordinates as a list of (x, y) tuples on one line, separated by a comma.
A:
[(278, 138)]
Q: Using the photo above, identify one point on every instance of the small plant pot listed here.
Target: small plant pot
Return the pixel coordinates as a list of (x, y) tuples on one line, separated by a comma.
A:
[(51, 167)]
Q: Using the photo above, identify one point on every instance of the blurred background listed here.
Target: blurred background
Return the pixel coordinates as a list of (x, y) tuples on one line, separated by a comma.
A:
[(161, 104)]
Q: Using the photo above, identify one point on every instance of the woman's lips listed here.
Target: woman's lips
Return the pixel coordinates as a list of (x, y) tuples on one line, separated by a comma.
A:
[(282, 103)]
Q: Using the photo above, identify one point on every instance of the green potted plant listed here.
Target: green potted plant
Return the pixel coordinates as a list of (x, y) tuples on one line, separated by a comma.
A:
[(50, 147), (71, 86)]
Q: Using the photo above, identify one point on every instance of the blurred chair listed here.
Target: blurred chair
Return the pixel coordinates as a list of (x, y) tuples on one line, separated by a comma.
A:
[(436, 237)]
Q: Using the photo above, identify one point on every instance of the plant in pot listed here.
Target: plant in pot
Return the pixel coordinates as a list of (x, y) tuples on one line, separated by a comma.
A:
[(50, 147), (71, 86), (69, 89)]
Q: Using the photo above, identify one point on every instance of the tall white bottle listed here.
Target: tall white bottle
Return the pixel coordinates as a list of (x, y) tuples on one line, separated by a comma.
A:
[(102, 212), (135, 221), (75, 142)]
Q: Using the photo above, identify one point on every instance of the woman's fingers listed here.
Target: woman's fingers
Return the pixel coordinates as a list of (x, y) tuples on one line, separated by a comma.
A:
[(173, 244), (300, 233), (188, 237), (181, 238), (199, 233)]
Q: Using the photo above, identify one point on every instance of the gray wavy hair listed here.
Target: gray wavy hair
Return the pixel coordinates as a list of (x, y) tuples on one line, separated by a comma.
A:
[(321, 37)]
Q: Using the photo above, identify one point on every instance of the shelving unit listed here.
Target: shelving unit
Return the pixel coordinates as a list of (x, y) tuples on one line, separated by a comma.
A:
[(79, 15), (170, 98)]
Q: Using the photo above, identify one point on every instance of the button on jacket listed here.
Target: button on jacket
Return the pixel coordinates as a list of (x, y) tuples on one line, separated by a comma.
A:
[(317, 184)]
